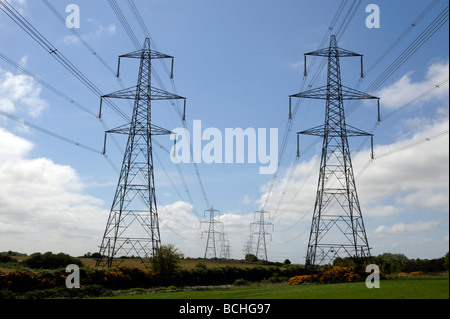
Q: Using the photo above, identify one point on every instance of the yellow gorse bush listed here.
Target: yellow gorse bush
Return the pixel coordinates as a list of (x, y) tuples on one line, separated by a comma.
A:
[(329, 274)]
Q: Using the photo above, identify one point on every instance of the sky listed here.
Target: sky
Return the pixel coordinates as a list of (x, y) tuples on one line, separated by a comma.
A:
[(236, 62)]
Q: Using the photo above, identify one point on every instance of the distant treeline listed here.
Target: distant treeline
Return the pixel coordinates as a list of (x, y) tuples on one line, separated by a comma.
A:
[(390, 263)]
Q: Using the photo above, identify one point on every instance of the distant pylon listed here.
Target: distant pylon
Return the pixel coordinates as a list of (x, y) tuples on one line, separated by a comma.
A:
[(248, 246), (132, 228), (337, 228), (212, 234), (225, 251), (261, 225)]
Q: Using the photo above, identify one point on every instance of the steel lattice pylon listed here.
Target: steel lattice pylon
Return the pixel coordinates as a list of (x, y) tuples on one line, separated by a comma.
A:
[(337, 228), (261, 225), (212, 234), (132, 228)]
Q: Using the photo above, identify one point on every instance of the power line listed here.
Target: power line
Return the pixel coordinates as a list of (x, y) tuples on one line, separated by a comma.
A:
[(45, 84), (123, 21), (48, 132), (132, 36), (53, 51), (420, 40), (429, 31), (400, 38), (43, 42), (79, 37), (288, 129), (409, 145), (416, 143)]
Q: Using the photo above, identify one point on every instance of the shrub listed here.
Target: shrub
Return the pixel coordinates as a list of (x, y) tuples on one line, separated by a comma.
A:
[(402, 274), (241, 282), (250, 258), (297, 280), (339, 274), (329, 274), (6, 294), (63, 292), (200, 266), (167, 261), (416, 273), (446, 262), (276, 278), (49, 260), (4, 258), (47, 279), (18, 281)]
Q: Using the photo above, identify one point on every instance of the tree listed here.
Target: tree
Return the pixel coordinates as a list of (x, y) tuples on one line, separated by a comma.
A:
[(251, 258), (446, 261), (167, 261), (50, 260), (96, 255)]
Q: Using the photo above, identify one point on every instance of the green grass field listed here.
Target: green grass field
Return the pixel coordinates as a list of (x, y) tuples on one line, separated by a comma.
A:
[(418, 288)]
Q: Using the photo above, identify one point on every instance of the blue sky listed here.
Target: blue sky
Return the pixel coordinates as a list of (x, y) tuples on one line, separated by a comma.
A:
[(236, 62)]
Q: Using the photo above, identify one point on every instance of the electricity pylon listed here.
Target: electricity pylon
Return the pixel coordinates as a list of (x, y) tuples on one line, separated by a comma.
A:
[(225, 251), (132, 228), (212, 234), (261, 225), (337, 228), (248, 246)]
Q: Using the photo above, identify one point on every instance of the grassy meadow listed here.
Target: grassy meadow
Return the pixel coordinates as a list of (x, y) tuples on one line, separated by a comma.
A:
[(433, 287)]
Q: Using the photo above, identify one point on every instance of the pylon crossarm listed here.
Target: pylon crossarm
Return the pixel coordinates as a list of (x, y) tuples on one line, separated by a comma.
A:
[(353, 131), (158, 94), (352, 94), (157, 130), (317, 93), (317, 131), (128, 93), (146, 53), (132, 94), (335, 51), (322, 93)]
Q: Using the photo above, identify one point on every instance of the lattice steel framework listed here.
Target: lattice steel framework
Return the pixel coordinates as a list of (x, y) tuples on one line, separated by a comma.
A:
[(213, 234), (132, 228), (225, 251), (337, 228), (261, 225)]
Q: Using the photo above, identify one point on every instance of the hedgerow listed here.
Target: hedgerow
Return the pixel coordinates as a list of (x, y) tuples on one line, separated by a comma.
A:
[(21, 281)]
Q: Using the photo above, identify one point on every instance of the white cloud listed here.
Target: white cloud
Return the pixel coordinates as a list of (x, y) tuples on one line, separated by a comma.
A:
[(405, 89), (12, 147), (406, 184), (19, 5), (42, 204), (246, 200), (406, 228), (403, 178), (20, 93), (93, 35)]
